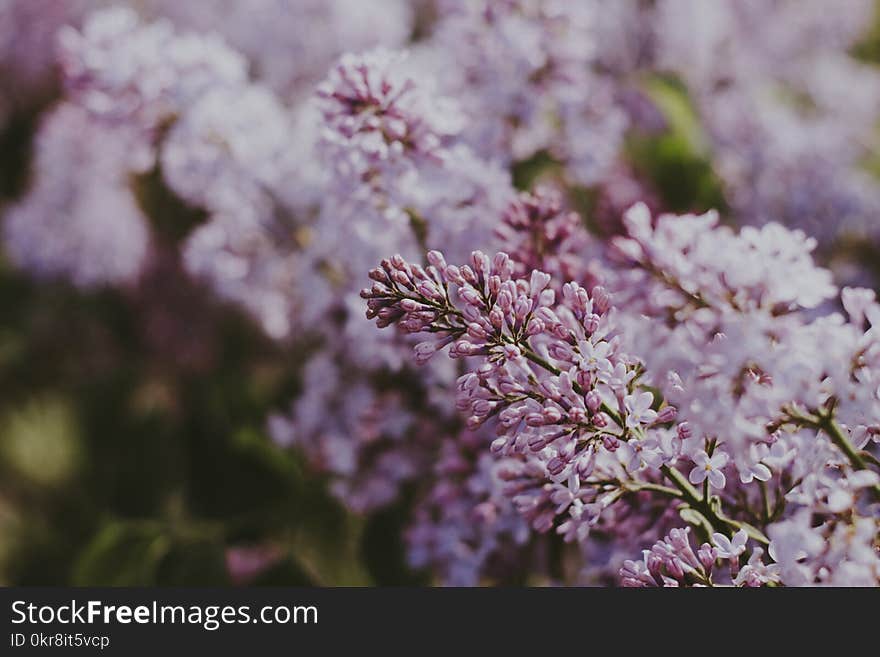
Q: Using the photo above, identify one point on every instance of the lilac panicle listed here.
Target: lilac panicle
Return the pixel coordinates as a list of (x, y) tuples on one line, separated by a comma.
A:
[(549, 374)]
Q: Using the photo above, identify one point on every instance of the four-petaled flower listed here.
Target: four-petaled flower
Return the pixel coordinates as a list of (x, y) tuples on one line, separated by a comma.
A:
[(709, 466), (730, 549), (638, 409)]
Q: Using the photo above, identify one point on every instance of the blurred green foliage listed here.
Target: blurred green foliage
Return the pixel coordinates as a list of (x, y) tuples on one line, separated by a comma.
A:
[(678, 159), (120, 464), (125, 460)]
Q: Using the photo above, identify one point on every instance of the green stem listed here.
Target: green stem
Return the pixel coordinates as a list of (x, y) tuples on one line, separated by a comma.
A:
[(827, 424), (723, 524), (765, 501), (688, 492), (870, 457), (636, 486)]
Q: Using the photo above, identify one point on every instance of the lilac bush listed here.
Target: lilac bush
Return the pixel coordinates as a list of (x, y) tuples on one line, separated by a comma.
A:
[(621, 252)]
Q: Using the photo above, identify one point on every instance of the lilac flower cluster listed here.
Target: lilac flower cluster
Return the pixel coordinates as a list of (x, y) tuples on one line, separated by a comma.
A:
[(219, 141), (80, 219), (290, 44), (540, 234), (581, 429), (554, 377), (464, 527), (531, 69), (731, 385), (737, 345), (786, 148)]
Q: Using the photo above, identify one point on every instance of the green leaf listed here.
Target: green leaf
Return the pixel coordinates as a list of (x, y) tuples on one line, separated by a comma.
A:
[(527, 173), (193, 563), (382, 548), (679, 160), (122, 554), (693, 517)]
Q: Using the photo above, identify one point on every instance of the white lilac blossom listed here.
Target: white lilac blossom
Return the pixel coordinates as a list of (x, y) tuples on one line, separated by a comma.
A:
[(120, 68), (228, 147), (227, 155), (395, 146), (528, 76), (785, 146), (786, 395), (79, 219), (291, 44), (733, 335), (838, 552), (581, 433), (736, 344), (223, 144)]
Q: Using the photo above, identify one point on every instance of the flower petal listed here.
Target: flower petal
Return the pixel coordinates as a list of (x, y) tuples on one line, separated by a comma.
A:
[(697, 475), (717, 479)]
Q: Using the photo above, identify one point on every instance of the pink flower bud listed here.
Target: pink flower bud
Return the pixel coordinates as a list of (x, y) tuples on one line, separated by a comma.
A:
[(586, 463), (500, 261), (523, 307), (481, 263), (496, 317), (666, 414), (537, 443), (555, 466), (535, 420), (552, 415), (538, 281), (535, 326), (469, 296), (424, 351), (591, 323), (379, 275), (601, 300), (707, 556), (436, 258), (498, 444), (476, 331), (561, 496), (453, 275), (585, 381)]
